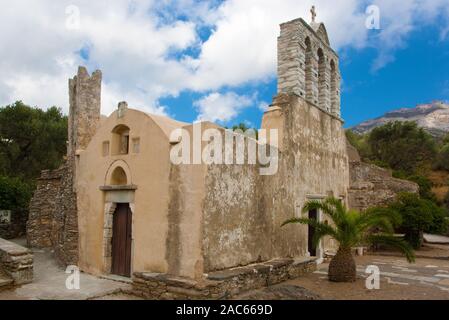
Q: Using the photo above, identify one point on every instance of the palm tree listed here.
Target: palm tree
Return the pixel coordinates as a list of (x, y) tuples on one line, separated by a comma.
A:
[(351, 228)]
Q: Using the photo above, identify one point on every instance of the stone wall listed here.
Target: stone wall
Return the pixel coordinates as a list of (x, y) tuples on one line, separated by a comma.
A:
[(53, 218), (16, 261), (52, 221), (66, 219), (372, 186), (41, 224), (224, 284)]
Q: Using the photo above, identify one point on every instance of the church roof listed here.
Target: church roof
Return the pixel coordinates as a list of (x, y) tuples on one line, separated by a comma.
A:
[(166, 124)]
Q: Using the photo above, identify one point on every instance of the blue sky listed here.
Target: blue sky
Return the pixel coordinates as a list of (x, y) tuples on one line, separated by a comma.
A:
[(419, 74), (216, 60)]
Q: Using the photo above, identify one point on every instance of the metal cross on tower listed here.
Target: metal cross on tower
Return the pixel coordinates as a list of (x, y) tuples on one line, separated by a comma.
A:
[(313, 12)]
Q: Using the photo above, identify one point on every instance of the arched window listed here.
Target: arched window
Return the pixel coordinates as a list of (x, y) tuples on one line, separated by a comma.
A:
[(334, 93), (322, 80), (118, 177), (309, 70), (120, 140)]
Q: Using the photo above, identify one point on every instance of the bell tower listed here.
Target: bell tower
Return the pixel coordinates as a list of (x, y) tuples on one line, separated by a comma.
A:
[(307, 65)]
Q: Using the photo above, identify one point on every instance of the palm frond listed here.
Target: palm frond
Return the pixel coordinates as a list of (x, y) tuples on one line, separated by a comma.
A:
[(321, 229), (322, 206), (395, 242)]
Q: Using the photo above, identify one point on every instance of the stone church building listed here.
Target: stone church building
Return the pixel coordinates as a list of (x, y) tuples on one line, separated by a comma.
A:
[(120, 206)]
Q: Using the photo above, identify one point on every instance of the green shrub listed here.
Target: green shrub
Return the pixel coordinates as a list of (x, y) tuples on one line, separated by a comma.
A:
[(442, 161), (403, 146), (419, 216), (14, 194), (425, 187)]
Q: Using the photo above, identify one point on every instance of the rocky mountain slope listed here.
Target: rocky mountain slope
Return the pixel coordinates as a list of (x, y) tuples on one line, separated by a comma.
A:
[(433, 117)]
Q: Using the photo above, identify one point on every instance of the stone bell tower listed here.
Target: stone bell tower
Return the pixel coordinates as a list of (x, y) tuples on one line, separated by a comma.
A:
[(307, 65)]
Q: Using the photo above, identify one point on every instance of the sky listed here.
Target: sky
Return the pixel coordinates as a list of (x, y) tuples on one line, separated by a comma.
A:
[(216, 60)]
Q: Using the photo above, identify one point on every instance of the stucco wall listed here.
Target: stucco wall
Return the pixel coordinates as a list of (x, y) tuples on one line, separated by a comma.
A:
[(148, 170)]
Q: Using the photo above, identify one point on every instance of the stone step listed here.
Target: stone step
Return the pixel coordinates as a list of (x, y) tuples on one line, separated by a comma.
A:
[(5, 281)]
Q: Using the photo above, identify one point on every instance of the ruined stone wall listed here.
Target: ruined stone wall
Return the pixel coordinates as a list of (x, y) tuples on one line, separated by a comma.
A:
[(222, 284), (85, 105), (53, 218), (43, 205), (65, 232), (374, 186), (16, 261)]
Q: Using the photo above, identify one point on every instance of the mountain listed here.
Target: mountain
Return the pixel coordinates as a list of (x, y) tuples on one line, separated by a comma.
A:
[(433, 117)]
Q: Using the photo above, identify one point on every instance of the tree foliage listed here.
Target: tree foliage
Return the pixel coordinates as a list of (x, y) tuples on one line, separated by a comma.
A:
[(351, 228), (31, 140), (418, 216), (14, 194), (402, 146)]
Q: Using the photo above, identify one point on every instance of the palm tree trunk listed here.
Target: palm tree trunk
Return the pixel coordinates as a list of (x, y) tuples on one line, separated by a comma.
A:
[(342, 267)]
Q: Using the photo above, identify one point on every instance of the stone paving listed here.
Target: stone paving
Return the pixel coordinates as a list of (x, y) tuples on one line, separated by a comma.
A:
[(50, 284), (426, 279), (436, 239)]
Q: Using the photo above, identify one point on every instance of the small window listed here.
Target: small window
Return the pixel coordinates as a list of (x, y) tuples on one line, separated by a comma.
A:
[(120, 140), (124, 143), (136, 145), (105, 148)]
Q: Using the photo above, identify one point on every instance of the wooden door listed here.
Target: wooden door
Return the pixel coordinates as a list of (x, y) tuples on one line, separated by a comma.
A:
[(313, 214), (121, 241)]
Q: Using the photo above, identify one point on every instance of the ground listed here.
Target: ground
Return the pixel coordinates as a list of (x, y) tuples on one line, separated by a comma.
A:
[(399, 280), (428, 278), (49, 283)]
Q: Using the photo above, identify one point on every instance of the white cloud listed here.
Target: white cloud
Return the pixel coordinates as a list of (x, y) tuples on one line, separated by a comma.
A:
[(221, 107), (141, 45), (263, 106)]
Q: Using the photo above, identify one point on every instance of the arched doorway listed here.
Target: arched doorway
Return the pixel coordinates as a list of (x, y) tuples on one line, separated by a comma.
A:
[(121, 240), (118, 220)]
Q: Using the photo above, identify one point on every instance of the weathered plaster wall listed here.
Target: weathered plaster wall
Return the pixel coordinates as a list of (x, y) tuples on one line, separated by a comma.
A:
[(243, 211), (235, 223), (313, 165)]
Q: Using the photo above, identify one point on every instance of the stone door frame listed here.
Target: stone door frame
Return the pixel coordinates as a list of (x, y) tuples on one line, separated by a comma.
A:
[(109, 210)]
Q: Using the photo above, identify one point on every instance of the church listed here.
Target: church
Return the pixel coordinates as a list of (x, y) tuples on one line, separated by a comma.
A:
[(119, 206)]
